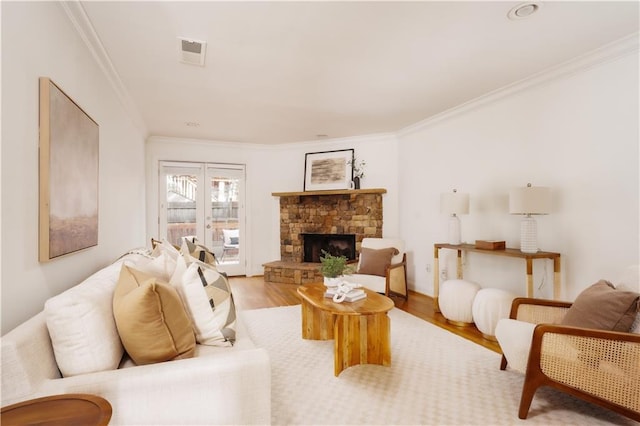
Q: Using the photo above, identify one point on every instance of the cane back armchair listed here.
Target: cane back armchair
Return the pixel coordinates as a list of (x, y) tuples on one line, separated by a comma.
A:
[(602, 367)]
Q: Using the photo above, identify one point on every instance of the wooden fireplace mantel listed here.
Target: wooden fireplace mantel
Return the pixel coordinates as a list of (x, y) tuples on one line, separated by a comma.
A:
[(331, 192)]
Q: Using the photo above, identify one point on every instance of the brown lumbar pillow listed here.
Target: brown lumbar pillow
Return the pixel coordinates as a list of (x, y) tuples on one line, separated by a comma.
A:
[(375, 262), (151, 320), (603, 307)]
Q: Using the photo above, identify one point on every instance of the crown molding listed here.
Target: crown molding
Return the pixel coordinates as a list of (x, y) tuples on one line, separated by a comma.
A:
[(373, 137), (81, 22), (156, 139), (610, 52), (329, 143)]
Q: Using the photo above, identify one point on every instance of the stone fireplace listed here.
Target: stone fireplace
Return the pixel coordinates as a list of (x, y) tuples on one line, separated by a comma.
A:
[(341, 216)]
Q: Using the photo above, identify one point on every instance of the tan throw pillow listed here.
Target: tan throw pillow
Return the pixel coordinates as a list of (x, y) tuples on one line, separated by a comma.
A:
[(603, 307), (375, 262), (151, 320)]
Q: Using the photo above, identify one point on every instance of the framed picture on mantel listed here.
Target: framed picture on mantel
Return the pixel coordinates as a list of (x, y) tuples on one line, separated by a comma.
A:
[(328, 170)]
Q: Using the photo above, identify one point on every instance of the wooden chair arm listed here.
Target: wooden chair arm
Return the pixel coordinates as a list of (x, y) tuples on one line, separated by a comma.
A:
[(541, 329), (538, 311), (401, 264), (536, 302), (396, 278), (601, 370)]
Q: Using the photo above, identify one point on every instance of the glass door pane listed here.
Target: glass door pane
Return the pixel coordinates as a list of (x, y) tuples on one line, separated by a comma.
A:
[(225, 218), (205, 201), (180, 211)]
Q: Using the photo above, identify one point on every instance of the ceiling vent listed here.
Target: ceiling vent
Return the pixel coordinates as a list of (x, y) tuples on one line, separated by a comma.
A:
[(191, 51)]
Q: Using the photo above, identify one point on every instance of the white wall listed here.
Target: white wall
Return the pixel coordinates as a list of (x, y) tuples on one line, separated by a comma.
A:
[(577, 134), (275, 169), (39, 40)]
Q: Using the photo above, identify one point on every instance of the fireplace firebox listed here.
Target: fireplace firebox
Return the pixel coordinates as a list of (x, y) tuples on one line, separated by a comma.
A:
[(336, 244)]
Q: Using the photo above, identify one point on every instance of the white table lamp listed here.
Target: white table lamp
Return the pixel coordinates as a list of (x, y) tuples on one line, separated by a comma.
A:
[(454, 203), (528, 201)]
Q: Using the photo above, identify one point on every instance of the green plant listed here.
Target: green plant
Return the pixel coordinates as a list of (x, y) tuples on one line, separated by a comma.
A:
[(334, 266)]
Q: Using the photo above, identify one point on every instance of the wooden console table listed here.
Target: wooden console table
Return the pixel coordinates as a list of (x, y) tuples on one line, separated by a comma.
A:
[(509, 252)]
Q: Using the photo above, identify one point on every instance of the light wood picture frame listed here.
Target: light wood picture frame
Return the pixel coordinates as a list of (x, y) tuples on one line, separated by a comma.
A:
[(69, 160), (328, 170)]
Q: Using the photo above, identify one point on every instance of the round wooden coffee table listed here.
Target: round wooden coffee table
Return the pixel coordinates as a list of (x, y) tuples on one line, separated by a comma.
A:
[(360, 330), (69, 409)]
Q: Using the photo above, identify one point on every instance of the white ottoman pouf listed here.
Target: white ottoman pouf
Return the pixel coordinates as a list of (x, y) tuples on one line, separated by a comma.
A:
[(489, 306), (456, 301)]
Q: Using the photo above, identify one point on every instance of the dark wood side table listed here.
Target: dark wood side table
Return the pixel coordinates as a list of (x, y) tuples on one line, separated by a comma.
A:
[(508, 252), (68, 409)]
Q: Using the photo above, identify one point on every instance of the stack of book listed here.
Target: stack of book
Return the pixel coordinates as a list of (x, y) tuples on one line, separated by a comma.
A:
[(352, 296)]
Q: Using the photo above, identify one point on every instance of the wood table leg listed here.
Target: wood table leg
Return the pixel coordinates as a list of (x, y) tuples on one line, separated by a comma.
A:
[(556, 278), (316, 323), (361, 339), (529, 277)]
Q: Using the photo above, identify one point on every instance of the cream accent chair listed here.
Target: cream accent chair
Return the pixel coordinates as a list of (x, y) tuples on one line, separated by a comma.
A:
[(395, 280), (599, 366)]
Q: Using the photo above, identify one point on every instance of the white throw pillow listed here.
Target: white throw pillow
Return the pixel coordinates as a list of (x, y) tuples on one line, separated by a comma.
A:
[(165, 247), (81, 325), (161, 266), (207, 298)]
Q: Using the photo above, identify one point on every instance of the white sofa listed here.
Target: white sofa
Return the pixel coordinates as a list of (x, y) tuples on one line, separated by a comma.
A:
[(219, 385)]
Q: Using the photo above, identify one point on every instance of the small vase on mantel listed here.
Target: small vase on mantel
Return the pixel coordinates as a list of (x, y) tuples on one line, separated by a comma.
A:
[(356, 182)]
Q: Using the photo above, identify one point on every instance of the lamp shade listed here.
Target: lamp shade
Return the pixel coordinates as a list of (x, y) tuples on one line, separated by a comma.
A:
[(530, 200), (454, 203)]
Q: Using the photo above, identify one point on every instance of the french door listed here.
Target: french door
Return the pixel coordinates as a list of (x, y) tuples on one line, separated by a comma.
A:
[(205, 201)]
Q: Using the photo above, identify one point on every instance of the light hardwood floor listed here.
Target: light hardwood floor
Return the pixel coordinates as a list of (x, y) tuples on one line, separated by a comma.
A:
[(254, 293)]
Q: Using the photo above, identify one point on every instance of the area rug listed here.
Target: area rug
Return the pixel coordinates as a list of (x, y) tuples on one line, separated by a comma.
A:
[(435, 378)]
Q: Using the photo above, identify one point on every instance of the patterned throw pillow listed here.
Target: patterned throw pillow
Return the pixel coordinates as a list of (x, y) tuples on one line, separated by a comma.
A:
[(193, 251), (151, 320), (207, 297)]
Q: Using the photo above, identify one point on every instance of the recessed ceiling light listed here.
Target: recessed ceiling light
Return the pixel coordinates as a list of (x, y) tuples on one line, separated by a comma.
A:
[(523, 10), (192, 124)]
